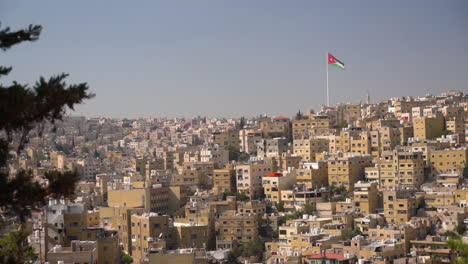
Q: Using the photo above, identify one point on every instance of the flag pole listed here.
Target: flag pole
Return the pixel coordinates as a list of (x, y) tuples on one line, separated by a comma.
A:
[(328, 91)]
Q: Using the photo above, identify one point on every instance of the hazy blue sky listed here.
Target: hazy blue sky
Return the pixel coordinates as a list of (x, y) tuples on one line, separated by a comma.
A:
[(243, 57)]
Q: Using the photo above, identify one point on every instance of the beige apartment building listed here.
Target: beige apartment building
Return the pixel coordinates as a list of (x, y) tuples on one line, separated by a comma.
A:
[(301, 195), (251, 207), (399, 206), (276, 127), (385, 139), (191, 235), (399, 168), (448, 160), (349, 112), (366, 197), (351, 140), (315, 174), (148, 232), (229, 137), (456, 126), (235, 229), (154, 199), (317, 125), (274, 183), (307, 148), (428, 127), (347, 170), (77, 252), (249, 139), (272, 147), (219, 156), (249, 178), (223, 181)]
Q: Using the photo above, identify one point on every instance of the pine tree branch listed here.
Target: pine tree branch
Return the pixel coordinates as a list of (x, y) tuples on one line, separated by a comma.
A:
[(9, 39)]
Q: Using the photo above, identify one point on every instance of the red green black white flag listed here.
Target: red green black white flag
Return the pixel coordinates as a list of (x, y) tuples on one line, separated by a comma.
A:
[(335, 62)]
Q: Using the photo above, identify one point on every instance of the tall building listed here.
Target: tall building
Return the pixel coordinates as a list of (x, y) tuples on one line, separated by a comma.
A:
[(347, 170), (153, 199), (148, 232), (307, 148), (399, 205), (428, 127), (272, 147), (228, 137), (249, 140), (249, 178), (366, 197), (235, 229), (315, 174), (400, 168), (224, 180)]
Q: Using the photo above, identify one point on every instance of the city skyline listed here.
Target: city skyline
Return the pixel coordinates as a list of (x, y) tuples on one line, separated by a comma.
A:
[(240, 59)]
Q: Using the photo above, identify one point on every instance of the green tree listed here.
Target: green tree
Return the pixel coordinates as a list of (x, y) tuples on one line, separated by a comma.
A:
[(292, 216), (126, 259), (460, 248), (274, 165), (252, 248), (242, 123), (446, 132), (14, 248), (23, 109), (280, 206), (275, 234), (343, 124), (461, 229), (241, 196), (308, 208), (227, 193), (233, 255), (450, 234), (234, 152), (338, 193), (299, 115), (262, 227), (351, 233)]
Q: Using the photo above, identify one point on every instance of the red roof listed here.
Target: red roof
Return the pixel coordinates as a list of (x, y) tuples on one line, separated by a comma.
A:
[(281, 118), (275, 174), (327, 256)]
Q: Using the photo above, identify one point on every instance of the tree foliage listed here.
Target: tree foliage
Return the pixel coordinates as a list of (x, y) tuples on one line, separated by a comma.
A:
[(242, 123), (351, 233), (14, 249), (241, 196), (23, 109), (460, 248), (299, 115), (126, 259), (343, 124), (446, 132), (461, 229), (252, 248), (338, 193), (309, 208), (234, 152), (274, 165), (280, 206)]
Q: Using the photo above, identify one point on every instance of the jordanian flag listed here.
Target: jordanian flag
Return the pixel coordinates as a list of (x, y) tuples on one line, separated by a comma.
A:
[(335, 62)]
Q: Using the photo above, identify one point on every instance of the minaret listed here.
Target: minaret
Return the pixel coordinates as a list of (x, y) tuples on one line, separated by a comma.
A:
[(368, 98)]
